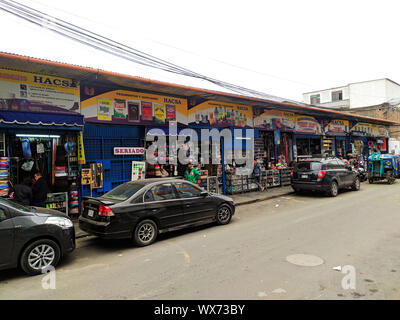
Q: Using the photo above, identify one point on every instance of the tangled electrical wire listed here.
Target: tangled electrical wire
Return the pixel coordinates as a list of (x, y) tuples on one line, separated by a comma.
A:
[(115, 48)]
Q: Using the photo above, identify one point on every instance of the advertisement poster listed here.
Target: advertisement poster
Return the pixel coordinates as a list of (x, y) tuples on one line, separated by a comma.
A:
[(306, 124), (134, 111), (120, 109), (277, 137), (31, 92), (274, 119), (138, 170), (159, 113), (171, 112), (337, 127), (146, 111), (104, 108), (140, 107), (221, 114)]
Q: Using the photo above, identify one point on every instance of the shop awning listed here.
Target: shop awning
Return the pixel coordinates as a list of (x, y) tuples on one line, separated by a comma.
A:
[(55, 120)]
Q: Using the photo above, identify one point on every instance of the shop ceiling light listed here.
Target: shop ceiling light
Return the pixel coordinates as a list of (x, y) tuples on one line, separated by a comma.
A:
[(38, 135)]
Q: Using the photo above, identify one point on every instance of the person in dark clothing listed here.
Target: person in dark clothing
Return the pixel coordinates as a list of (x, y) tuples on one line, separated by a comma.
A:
[(39, 190), (22, 193)]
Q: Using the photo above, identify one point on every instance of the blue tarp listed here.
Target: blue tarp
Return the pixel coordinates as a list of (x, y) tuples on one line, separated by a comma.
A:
[(61, 120)]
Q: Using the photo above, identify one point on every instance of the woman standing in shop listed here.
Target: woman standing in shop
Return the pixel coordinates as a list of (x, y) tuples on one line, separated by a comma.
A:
[(39, 190)]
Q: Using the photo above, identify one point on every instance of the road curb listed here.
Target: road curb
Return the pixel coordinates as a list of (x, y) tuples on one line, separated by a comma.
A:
[(265, 198)]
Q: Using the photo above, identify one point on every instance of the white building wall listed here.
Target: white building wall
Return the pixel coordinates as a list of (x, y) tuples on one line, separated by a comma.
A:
[(369, 93), (392, 91), (326, 95)]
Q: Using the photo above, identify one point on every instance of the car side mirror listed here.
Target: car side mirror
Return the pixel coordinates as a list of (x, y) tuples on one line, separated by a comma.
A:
[(204, 194)]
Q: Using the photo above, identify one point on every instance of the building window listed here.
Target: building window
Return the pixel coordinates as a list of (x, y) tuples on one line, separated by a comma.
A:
[(337, 95), (315, 99)]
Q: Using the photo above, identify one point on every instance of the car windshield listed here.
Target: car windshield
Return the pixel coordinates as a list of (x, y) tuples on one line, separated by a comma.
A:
[(308, 166), (15, 205), (123, 191)]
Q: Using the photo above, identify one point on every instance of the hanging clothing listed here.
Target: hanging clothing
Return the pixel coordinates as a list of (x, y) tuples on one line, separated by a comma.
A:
[(26, 149)]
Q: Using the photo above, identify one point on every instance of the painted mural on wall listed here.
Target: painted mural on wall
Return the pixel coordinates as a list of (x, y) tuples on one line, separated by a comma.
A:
[(337, 127), (131, 107), (31, 92), (220, 114), (274, 119), (307, 124)]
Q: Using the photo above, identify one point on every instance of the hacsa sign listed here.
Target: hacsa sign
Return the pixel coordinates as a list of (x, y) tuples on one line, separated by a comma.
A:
[(128, 151)]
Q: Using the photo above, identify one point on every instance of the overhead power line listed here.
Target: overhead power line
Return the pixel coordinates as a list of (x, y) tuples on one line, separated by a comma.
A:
[(110, 46)]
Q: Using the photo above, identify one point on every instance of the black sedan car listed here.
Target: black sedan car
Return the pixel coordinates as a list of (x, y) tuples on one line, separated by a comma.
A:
[(324, 174), (142, 209), (33, 238)]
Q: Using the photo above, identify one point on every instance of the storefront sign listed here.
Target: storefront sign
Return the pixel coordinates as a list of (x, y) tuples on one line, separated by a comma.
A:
[(132, 107), (81, 149), (30, 92), (370, 130), (138, 170), (306, 124), (128, 151), (274, 119), (337, 127), (221, 114)]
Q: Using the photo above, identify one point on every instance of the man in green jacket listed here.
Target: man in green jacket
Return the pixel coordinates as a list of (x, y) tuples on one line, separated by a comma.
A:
[(191, 174)]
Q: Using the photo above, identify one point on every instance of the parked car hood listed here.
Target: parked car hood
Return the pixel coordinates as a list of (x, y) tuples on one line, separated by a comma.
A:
[(43, 212), (220, 196)]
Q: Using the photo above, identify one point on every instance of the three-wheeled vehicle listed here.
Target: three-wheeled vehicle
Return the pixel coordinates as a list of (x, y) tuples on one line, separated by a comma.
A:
[(383, 167)]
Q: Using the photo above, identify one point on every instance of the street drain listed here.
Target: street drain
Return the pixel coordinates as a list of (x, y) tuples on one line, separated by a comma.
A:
[(305, 260)]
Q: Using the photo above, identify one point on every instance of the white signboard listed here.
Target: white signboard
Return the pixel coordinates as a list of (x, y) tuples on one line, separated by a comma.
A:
[(138, 170), (128, 150)]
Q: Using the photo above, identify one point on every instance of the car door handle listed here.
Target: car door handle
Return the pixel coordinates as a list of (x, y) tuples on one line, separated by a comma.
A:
[(188, 205), (154, 210)]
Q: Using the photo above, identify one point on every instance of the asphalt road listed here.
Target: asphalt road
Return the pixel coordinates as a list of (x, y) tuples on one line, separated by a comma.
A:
[(246, 259)]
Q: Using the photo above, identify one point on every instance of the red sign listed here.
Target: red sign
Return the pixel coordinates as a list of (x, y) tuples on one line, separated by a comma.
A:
[(128, 151)]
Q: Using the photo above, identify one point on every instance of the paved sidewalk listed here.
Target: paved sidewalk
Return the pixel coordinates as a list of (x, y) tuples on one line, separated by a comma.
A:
[(240, 199), (271, 193)]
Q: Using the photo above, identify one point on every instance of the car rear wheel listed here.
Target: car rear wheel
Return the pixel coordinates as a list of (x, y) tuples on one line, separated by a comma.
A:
[(356, 184), (145, 233), (224, 214), (370, 181), (333, 190), (39, 256)]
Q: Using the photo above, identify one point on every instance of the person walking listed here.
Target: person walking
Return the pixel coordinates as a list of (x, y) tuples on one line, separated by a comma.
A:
[(257, 172), (39, 190), (191, 174)]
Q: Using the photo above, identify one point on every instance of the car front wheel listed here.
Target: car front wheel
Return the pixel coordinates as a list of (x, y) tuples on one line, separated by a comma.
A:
[(145, 233), (39, 256), (224, 214)]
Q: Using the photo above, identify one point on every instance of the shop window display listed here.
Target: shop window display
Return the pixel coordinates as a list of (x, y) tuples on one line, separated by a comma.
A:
[(55, 157)]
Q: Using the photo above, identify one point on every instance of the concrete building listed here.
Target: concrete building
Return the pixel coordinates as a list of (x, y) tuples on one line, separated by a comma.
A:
[(378, 99), (356, 95)]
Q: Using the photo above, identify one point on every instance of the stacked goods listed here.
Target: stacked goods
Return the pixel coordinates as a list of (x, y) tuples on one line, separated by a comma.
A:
[(4, 176), (73, 200), (60, 171)]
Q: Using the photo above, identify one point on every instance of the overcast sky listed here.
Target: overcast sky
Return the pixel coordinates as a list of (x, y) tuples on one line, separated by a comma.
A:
[(283, 48)]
